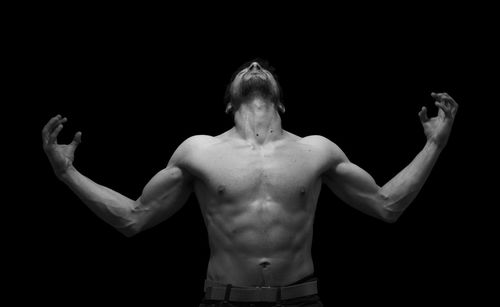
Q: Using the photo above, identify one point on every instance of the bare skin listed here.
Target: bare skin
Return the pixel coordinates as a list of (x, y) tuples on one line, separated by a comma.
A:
[(258, 204), (257, 186)]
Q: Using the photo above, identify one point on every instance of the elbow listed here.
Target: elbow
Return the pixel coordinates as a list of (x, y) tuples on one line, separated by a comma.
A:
[(389, 209), (129, 230), (131, 225), (390, 212), (390, 217)]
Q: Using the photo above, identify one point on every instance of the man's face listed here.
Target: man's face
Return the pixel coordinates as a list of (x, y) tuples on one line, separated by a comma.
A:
[(254, 81)]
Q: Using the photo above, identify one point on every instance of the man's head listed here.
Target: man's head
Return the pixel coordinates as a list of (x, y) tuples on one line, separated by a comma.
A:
[(253, 80)]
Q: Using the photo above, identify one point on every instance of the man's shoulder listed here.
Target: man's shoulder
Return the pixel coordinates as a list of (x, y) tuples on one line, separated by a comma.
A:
[(183, 155), (324, 145), (318, 140), (314, 139), (199, 139), (196, 142)]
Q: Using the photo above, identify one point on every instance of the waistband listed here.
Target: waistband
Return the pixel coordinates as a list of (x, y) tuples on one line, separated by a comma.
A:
[(228, 292)]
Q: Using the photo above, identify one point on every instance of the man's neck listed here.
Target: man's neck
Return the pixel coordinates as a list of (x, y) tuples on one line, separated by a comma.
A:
[(258, 122)]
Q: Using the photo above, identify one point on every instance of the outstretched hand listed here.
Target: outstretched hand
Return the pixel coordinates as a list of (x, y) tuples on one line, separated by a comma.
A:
[(437, 129), (60, 156)]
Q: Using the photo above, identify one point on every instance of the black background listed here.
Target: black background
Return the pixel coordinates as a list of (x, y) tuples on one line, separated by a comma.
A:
[(137, 84)]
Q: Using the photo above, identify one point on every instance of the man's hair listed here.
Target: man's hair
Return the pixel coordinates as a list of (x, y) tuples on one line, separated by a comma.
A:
[(266, 66)]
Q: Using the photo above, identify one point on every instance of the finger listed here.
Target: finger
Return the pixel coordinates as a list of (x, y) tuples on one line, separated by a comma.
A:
[(47, 129), (448, 106), (54, 134), (423, 115), (62, 121), (58, 123), (444, 110), (454, 110), (440, 105), (53, 124), (77, 139), (436, 96), (451, 106), (440, 96), (450, 100)]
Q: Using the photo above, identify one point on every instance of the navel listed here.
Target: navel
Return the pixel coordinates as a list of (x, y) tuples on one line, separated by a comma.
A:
[(264, 264)]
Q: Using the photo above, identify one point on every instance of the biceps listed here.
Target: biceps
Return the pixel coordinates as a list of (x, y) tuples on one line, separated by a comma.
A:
[(165, 186), (164, 195), (354, 186), (355, 179)]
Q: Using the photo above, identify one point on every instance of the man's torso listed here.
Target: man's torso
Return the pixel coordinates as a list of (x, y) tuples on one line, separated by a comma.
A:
[(258, 204)]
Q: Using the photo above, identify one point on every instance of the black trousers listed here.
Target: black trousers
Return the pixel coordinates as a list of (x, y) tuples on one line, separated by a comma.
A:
[(304, 301)]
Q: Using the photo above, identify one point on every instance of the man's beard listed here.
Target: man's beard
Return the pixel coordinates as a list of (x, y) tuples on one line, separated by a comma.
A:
[(255, 87)]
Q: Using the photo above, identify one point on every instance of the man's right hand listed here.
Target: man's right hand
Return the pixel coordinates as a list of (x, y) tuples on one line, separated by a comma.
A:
[(60, 156)]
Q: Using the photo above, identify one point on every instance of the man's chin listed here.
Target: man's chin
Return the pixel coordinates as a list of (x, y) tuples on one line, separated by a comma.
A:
[(256, 83), (255, 76), (255, 87)]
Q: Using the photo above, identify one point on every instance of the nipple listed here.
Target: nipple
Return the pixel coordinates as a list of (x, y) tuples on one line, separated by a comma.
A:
[(220, 189)]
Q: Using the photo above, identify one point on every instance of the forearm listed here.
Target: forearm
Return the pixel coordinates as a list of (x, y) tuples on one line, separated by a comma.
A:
[(109, 205), (400, 191)]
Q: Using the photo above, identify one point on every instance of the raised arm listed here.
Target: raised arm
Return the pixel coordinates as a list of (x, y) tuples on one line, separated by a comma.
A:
[(357, 188), (165, 194)]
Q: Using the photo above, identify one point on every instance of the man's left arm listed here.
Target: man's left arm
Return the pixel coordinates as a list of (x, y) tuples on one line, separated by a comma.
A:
[(357, 188)]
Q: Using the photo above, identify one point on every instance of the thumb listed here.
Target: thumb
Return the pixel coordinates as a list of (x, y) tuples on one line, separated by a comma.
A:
[(423, 115), (77, 139)]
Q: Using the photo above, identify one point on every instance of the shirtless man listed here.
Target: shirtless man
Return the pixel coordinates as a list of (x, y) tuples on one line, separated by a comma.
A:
[(257, 186)]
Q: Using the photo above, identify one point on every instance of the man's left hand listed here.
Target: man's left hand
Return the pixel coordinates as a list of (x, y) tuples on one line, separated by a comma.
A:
[(437, 129)]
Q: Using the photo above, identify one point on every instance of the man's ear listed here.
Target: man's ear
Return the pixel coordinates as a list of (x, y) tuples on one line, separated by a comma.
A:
[(281, 107), (229, 107)]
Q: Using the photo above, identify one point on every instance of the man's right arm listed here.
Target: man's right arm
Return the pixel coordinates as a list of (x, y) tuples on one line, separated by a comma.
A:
[(164, 195), (111, 206)]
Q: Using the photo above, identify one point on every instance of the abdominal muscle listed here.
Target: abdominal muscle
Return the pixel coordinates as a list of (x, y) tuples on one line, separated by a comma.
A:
[(259, 244)]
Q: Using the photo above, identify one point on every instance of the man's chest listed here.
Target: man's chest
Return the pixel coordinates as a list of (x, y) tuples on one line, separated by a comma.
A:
[(235, 172)]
